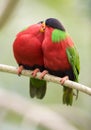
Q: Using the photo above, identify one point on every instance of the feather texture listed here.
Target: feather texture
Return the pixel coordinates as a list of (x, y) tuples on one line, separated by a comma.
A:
[(73, 58), (37, 88), (28, 53), (58, 35), (60, 55)]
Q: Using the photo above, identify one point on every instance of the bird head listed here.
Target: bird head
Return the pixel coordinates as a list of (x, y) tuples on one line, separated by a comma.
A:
[(43, 26), (54, 23)]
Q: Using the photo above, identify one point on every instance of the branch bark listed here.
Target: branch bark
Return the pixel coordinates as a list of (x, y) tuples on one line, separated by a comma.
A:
[(47, 77)]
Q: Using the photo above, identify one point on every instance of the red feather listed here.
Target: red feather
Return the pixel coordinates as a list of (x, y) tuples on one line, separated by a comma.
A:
[(27, 46), (55, 57)]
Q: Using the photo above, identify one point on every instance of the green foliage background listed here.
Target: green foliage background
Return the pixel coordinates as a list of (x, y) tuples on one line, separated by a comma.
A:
[(75, 15)]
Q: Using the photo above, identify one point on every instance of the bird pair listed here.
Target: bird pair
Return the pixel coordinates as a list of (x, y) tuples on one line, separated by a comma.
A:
[(47, 46)]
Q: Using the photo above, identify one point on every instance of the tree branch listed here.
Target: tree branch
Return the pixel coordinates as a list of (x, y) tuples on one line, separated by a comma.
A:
[(47, 77)]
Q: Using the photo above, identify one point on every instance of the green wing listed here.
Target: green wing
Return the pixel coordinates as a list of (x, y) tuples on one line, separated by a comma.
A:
[(73, 58)]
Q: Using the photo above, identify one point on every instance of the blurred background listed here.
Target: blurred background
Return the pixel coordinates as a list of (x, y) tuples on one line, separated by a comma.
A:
[(15, 15)]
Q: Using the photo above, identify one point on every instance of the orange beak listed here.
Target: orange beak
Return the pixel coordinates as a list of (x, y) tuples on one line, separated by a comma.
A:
[(43, 26)]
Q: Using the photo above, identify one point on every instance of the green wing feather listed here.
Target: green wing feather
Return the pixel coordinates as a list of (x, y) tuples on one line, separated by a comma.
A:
[(58, 35), (37, 88), (73, 58)]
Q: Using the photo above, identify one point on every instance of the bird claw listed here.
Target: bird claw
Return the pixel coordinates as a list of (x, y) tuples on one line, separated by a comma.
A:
[(64, 79), (34, 73), (43, 74), (19, 70)]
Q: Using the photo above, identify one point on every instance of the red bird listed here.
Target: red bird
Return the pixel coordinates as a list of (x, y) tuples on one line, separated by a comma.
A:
[(28, 54), (60, 55)]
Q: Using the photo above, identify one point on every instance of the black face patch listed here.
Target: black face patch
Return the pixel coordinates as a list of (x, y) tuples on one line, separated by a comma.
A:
[(54, 23)]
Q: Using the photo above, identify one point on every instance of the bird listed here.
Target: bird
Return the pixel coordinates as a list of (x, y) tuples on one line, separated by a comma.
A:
[(28, 55), (61, 57)]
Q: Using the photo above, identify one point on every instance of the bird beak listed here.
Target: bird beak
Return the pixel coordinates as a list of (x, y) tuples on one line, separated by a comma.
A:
[(43, 26)]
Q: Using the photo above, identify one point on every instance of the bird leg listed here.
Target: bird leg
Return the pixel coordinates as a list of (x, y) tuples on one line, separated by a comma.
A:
[(35, 71), (64, 79), (43, 74), (19, 70)]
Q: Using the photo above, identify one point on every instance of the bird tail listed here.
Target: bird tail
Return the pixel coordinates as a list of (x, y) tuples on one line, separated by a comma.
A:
[(37, 88), (67, 95)]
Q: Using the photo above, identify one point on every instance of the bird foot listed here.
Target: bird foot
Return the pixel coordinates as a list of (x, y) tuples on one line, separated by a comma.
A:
[(43, 74), (19, 70), (34, 73), (64, 79)]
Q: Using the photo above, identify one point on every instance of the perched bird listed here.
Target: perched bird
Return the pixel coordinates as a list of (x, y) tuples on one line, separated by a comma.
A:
[(28, 54), (60, 55)]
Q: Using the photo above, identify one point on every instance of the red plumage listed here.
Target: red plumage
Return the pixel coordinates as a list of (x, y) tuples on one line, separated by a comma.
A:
[(56, 60), (55, 57), (27, 46), (28, 54)]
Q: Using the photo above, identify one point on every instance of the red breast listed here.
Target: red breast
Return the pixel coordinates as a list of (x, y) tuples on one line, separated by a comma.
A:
[(55, 57), (27, 46)]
